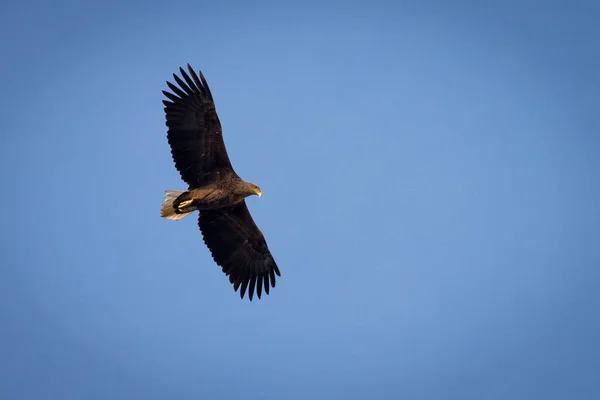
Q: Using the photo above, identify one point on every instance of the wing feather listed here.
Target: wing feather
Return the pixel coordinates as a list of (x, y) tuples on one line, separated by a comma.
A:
[(194, 131), (239, 248)]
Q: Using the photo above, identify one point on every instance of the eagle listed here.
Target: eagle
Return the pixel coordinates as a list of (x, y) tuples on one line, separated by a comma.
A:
[(215, 190)]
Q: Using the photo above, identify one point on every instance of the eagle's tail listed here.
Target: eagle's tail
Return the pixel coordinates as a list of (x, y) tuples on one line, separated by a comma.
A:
[(168, 211)]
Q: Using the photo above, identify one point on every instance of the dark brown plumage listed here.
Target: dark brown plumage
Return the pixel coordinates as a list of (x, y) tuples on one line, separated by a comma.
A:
[(214, 189)]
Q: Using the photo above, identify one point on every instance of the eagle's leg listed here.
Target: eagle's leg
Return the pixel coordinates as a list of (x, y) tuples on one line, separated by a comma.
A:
[(176, 205)]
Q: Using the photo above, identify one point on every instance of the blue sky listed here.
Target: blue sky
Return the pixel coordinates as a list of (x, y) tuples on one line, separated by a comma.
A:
[(430, 179)]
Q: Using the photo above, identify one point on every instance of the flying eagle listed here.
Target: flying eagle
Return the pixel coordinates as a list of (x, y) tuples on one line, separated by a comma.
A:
[(214, 189)]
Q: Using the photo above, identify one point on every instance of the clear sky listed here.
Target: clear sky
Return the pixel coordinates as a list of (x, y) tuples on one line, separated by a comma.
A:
[(431, 191)]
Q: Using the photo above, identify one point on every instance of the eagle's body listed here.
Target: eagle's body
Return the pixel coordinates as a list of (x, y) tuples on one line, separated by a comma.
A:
[(213, 196), (214, 189)]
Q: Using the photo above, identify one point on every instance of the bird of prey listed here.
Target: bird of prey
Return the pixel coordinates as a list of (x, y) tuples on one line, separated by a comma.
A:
[(214, 189)]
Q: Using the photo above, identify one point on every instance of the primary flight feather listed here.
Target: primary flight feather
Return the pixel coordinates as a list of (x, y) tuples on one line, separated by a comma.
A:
[(214, 189)]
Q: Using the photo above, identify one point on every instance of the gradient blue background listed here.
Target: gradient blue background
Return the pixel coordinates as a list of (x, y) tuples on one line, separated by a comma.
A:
[(430, 178)]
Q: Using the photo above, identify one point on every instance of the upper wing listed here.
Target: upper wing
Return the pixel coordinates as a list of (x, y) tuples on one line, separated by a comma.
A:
[(239, 247), (194, 131)]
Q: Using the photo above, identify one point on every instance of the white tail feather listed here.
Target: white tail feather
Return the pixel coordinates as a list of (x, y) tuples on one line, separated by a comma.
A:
[(168, 211)]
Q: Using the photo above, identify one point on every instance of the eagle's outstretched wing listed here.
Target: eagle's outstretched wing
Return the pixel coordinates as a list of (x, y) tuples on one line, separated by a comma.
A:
[(194, 131), (239, 247)]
